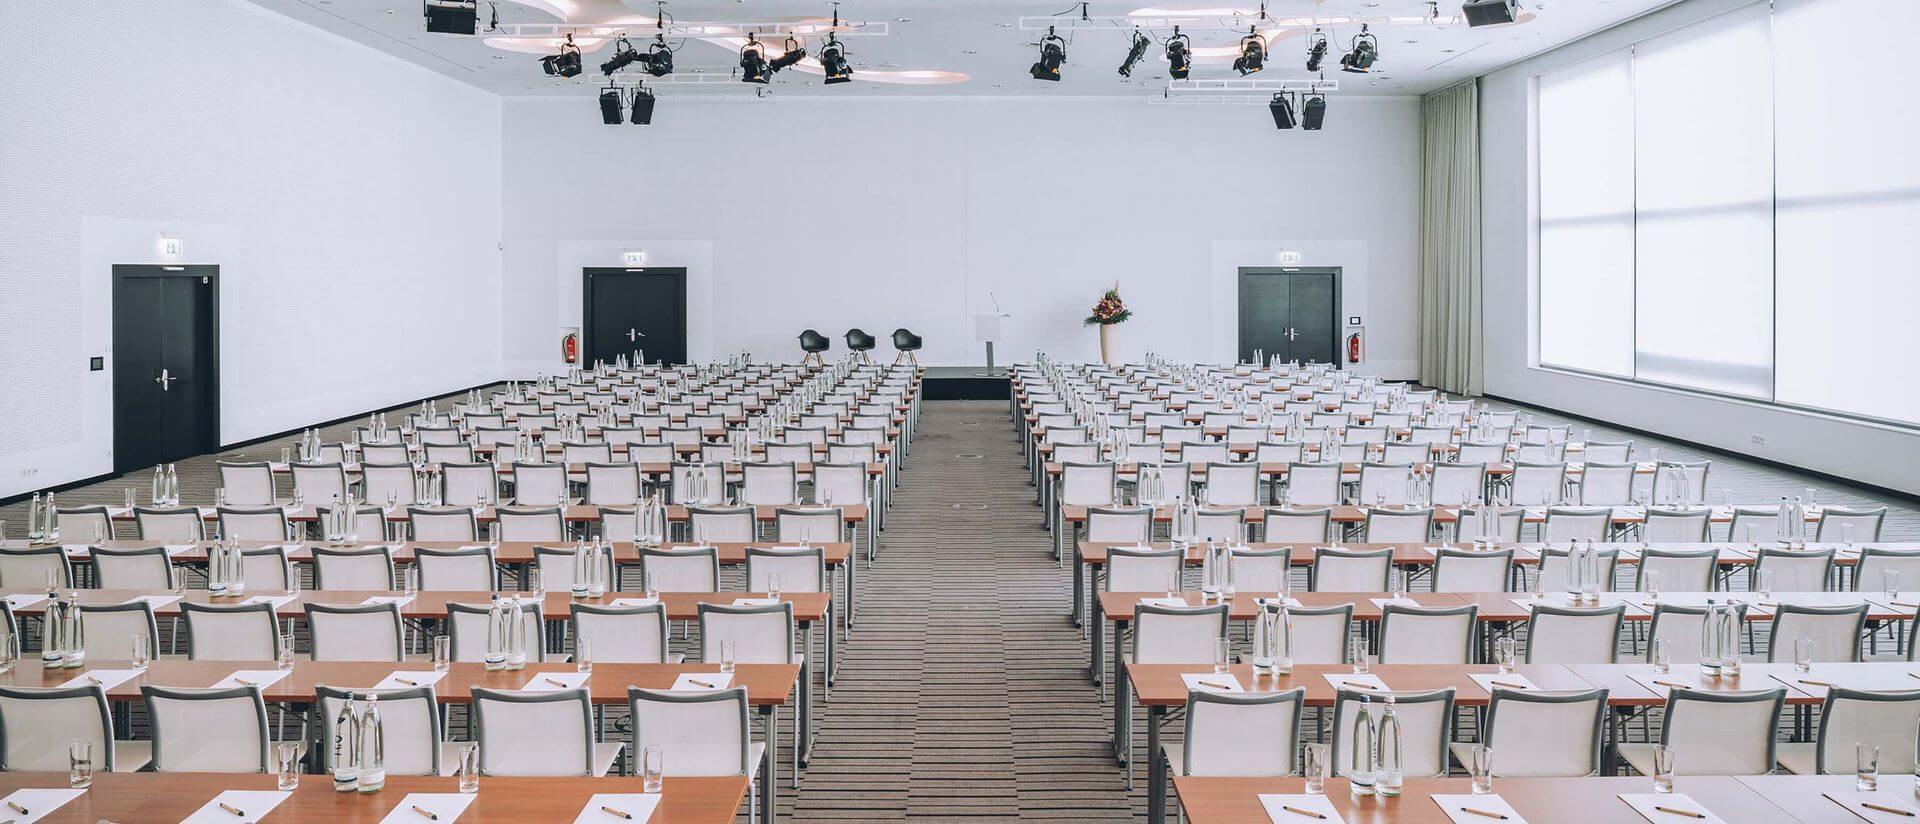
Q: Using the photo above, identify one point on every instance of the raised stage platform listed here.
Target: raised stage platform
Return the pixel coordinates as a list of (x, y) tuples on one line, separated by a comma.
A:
[(966, 383)]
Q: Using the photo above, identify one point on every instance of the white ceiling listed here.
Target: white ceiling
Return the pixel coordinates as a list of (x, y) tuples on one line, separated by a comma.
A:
[(980, 39)]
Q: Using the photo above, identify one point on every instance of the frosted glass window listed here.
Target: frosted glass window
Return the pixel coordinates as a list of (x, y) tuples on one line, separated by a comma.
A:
[(1703, 118), (1586, 216), (1848, 219)]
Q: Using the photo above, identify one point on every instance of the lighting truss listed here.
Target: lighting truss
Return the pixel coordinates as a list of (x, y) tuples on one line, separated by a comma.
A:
[(648, 28), (1205, 87), (1232, 22)]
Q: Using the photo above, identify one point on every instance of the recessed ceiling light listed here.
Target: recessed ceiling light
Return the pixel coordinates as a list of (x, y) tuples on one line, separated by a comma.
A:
[(1448, 51), (902, 19), (390, 11), (970, 51), (1003, 25), (1409, 42), (499, 57)]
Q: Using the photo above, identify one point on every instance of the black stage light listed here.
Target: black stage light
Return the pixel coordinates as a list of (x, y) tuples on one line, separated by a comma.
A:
[(1364, 51), (451, 16), (610, 105), (1314, 112), (1179, 55), (753, 62), (1490, 12), (795, 53), (1053, 52), (833, 59), (642, 107), (1316, 52), (1253, 54), (659, 59), (1282, 108), (564, 64), (1135, 53), (624, 55)]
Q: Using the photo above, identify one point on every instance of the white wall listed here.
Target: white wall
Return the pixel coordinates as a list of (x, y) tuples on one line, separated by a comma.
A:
[(351, 200), (1871, 453), (833, 213)]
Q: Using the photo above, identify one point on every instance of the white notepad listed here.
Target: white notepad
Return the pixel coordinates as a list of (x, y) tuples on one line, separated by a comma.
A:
[(176, 549), (253, 805), (1276, 808), (638, 805), (1853, 799), (420, 678), (1211, 682), (755, 602), (1163, 602), (77, 550), (448, 806), (1490, 681), (1644, 803), (108, 678), (1660, 689), (401, 600), (545, 681), (39, 802), (1453, 806), (1381, 603), (702, 681), (259, 678), (277, 601), (21, 600), (155, 601), (634, 602), (1360, 682)]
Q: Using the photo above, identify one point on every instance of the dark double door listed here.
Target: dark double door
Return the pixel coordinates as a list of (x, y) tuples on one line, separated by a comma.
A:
[(166, 364), (1290, 313), (634, 310)]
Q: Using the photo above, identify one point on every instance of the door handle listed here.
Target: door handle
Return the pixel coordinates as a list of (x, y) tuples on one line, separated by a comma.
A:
[(165, 380), (633, 334), (1291, 333)]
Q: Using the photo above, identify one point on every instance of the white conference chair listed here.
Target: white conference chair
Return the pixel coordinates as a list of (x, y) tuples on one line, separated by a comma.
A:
[(231, 632), (356, 632), (1319, 634), (1849, 717), (1384, 483), (1543, 735), (761, 634), (84, 524), (1143, 570), (1351, 570), (258, 524), (147, 569), (468, 484), (769, 484), (435, 453), (469, 569), (1313, 484), (700, 734), (540, 734), (318, 482), (1870, 574), (1427, 635), (452, 524), (1246, 734), (1680, 570), (171, 526), (840, 484), (1232, 484), (1574, 635), (623, 635), (395, 482), (38, 723), (1556, 568), (1462, 570), (1399, 526), (1261, 570), (809, 524), (556, 567), (1295, 526), (1132, 525), (682, 569), (109, 629), (1507, 524), (539, 484), (247, 483), (1680, 482), (1538, 484), (1809, 570), (410, 728), (516, 524), (208, 730), (1608, 452), (1569, 523), (1458, 484), (1722, 733), (364, 568), (721, 524), (801, 569), (1607, 484), (467, 631), (1221, 525), (1835, 631), (1426, 724), (1840, 523), (1680, 627), (1676, 526)]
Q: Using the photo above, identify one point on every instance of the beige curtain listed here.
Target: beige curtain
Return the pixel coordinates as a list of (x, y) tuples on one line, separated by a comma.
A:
[(1451, 349)]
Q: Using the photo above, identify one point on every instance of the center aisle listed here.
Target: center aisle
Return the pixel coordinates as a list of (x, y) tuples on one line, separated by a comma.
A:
[(964, 693)]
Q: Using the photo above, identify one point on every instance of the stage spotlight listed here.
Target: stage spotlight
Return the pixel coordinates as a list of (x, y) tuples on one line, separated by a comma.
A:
[(753, 62), (1253, 54), (1179, 55), (795, 52), (1316, 52), (1490, 12), (610, 105), (642, 107), (833, 59), (659, 59), (1364, 50), (1053, 52), (624, 55), (1135, 53), (451, 16), (564, 64), (1314, 112), (1282, 109)]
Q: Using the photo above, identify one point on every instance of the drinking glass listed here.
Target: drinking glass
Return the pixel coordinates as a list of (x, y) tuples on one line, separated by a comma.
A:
[(442, 653), (1480, 765), (1890, 583), (773, 585), (1357, 650), (1763, 583), (1662, 656), (536, 580), (727, 649), (1222, 654), (1506, 651), (1173, 584), (1663, 765), (1397, 579), (468, 768), (583, 655), (220, 496), (1803, 654), (294, 582), (128, 500), (1866, 767), (80, 765), (289, 766), (285, 661), (653, 767), (140, 656), (410, 581), (650, 581), (1650, 583), (1846, 534), (1316, 769)]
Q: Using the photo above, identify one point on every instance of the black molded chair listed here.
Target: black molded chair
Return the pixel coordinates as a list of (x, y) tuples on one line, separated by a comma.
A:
[(813, 343), (906, 343), (860, 343)]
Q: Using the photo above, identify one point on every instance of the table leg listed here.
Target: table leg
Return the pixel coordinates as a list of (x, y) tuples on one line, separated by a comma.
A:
[(1079, 585), (770, 724), (1156, 769), (1097, 623)]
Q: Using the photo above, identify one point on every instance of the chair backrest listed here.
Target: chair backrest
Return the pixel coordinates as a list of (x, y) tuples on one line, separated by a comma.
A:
[(1295, 526), (840, 484), (1835, 631), (1607, 484), (440, 453), (1680, 482), (1754, 525), (1739, 726), (409, 726), (769, 484), (1567, 523), (1204, 452), (699, 733), (1807, 570), (1875, 564), (231, 632), (358, 568), (1351, 570), (144, 569), (1885, 719), (1261, 570), (467, 630), (1177, 635), (534, 733), (1087, 484), (1840, 523), (1609, 452), (1541, 734), (1507, 525), (613, 484), (1427, 635), (320, 481), (622, 635), (111, 628), (761, 634), (259, 524), (539, 484), (1574, 635), (1426, 724), (725, 524), (1232, 484), (1134, 525), (207, 730), (356, 632), (1676, 526), (1142, 570), (1398, 526), (810, 524), (682, 569), (1458, 484), (470, 569), (469, 483), (555, 566), (1249, 734), (801, 569), (1481, 453), (515, 524), (1538, 484), (1385, 483), (1465, 570), (1313, 484), (1681, 570), (1223, 525), (247, 483), (37, 724), (1679, 626), (574, 452), (173, 526), (1556, 563), (1280, 452), (1319, 633), (395, 481)]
